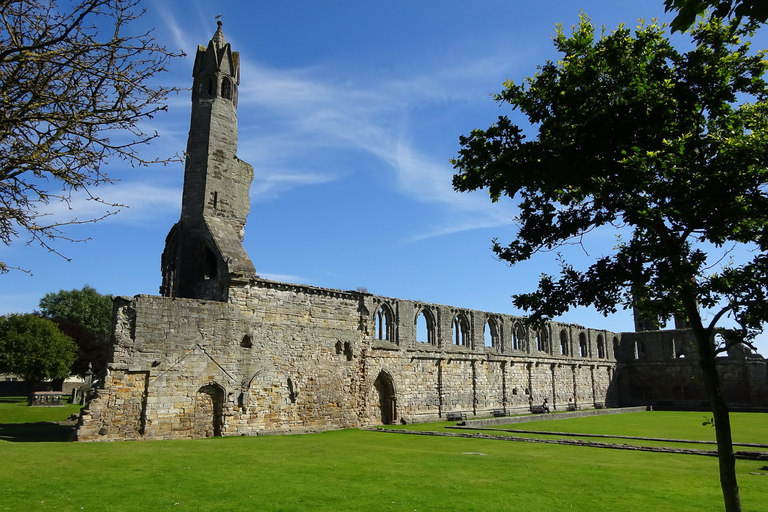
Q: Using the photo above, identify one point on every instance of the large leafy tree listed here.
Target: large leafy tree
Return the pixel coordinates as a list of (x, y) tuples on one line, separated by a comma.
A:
[(688, 10), (670, 146), (85, 315), (34, 349), (76, 87)]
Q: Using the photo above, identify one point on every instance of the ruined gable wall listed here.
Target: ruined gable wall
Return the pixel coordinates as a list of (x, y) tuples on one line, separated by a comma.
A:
[(660, 368)]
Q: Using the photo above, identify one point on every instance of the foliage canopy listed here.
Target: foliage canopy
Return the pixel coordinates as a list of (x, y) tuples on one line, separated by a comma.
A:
[(85, 315), (75, 91), (34, 349), (632, 132), (670, 146), (688, 10)]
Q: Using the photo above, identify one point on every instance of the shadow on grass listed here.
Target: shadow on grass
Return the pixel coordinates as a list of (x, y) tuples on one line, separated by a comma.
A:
[(42, 432), (13, 399)]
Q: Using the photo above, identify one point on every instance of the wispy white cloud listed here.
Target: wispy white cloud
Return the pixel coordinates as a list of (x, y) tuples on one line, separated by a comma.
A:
[(132, 202), (287, 114), (370, 117)]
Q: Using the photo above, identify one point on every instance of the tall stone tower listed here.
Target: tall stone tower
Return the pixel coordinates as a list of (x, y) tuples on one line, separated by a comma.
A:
[(204, 256)]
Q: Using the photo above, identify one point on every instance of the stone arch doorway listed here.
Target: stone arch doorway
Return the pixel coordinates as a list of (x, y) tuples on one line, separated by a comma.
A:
[(209, 403), (385, 388)]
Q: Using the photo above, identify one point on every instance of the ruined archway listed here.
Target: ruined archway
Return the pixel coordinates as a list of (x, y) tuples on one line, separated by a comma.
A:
[(387, 403), (209, 402)]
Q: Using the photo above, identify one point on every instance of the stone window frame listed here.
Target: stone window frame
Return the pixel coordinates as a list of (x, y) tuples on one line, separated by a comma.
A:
[(429, 320), (227, 88), (519, 337), (460, 330), (542, 340), (493, 324), (383, 323), (564, 343), (600, 347), (583, 345), (209, 86)]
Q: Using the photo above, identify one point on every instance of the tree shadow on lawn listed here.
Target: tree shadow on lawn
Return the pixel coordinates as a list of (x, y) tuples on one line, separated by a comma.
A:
[(41, 432)]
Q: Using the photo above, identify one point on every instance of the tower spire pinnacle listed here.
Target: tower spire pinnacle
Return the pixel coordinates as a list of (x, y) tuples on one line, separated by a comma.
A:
[(218, 37)]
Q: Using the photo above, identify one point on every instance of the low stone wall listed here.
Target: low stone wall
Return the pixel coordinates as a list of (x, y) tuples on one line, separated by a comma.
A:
[(511, 420)]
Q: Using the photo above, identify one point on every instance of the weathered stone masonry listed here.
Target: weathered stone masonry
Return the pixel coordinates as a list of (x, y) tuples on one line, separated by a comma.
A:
[(223, 352), (291, 358)]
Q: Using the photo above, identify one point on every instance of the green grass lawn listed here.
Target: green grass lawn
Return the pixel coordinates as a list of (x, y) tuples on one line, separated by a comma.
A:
[(14, 409), (747, 428), (366, 471)]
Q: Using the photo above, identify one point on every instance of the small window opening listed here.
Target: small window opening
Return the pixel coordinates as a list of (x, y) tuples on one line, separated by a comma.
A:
[(226, 88), (247, 341), (563, 343), (583, 347), (348, 351)]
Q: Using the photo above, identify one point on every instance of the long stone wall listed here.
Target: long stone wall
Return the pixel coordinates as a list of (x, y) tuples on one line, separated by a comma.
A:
[(282, 358)]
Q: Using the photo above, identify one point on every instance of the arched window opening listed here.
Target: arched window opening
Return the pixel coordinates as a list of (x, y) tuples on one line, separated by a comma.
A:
[(460, 330), (210, 86), (615, 347), (226, 88), (383, 324), (583, 347), (563, 342), (425, 328), (339, 348), (600, 347), (491, 334), (348, 351), (542, 341), (247, 341), (518, 338)]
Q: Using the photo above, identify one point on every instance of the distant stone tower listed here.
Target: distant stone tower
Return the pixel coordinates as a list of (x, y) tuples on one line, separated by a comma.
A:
[(204, 256)]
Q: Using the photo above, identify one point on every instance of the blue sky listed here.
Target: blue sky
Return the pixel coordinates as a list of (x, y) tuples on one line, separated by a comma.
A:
[(349, 112)]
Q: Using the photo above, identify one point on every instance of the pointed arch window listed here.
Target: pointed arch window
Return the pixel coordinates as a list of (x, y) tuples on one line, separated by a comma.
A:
[(460, 330), (425, 327), (518, 338), (600, 347), (226, 88), (542, 341), (564, 342), (583, 346), (208, 87), (491, 334), (383, 323)]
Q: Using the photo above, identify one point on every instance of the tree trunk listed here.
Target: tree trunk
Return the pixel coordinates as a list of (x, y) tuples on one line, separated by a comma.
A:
[(725, 455)]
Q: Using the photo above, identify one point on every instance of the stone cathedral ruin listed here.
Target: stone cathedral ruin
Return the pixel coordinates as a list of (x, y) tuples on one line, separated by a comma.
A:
[(224, 352)]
